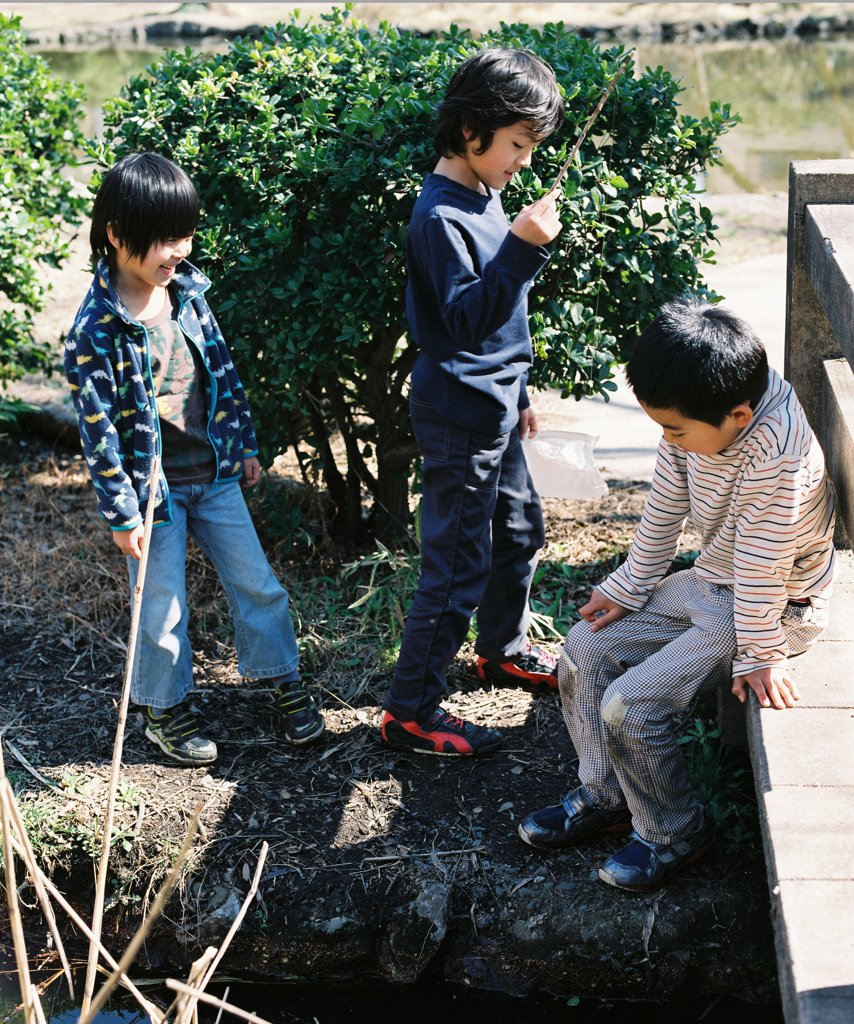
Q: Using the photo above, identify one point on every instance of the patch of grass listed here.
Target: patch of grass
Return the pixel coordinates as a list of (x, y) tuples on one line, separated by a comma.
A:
[(383, 583), (722, 778), (68, 818), (554, 596)]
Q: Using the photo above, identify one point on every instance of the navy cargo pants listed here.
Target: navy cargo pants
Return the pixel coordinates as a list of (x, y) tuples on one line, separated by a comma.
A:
[(481, 533)]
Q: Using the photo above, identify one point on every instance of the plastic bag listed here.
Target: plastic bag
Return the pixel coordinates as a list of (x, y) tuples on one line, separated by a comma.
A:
[(561, 465)]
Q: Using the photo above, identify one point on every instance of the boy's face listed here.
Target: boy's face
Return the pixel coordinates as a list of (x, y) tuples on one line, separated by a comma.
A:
[(697, 436), (509, 151), (157, 267)]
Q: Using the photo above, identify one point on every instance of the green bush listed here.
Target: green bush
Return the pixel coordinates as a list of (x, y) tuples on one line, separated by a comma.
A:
[(309, 148), (39, 134)]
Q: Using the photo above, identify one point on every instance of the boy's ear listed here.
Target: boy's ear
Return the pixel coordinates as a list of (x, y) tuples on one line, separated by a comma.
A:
[(468, 134), (112, 236), (742, 415)]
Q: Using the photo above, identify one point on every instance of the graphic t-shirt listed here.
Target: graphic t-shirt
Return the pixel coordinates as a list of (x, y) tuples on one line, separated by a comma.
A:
[(177, 372)]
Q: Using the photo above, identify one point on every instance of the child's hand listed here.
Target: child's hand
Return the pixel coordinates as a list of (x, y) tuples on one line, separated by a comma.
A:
[(771, 685), (528, 423), (601, 611), (251, 471), (539, 222), (129, 542)]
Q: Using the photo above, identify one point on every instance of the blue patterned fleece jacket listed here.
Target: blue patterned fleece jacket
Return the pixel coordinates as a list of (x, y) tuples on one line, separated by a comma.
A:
[(108, 368)]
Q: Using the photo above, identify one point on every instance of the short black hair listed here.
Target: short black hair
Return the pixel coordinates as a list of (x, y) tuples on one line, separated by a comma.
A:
[(493, 89), (699, 359), (147, 199)]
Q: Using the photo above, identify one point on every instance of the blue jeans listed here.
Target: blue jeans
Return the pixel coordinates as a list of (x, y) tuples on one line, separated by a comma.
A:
[(481, 533), (217, 518)]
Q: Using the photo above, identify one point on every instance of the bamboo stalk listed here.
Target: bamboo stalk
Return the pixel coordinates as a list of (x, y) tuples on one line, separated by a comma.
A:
[(29, 997), (203, 997), (185, 1005), (149, 1007), (27, 854), (101, 882), (597, 110), (135, 944), (232, 931)]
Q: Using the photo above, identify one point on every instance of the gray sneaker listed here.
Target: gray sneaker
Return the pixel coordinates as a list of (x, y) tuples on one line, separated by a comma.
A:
[(176, 731)]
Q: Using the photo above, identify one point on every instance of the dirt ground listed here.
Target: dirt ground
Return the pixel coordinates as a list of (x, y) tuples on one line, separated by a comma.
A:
[(380, 863)]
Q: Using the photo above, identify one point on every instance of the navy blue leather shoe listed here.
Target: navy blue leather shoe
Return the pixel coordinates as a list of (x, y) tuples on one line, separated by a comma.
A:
[(570, 821), (641, 866)]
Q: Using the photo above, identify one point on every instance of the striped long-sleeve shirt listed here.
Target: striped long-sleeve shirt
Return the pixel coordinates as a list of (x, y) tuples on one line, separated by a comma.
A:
[(764, 509)]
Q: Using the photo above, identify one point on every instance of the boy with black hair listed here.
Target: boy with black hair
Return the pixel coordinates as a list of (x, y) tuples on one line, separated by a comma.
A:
[(739, 457), (468, 279), (150, 374)]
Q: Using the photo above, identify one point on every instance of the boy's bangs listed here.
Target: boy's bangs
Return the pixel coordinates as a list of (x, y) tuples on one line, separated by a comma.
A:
[(170, 212), (541, 104)]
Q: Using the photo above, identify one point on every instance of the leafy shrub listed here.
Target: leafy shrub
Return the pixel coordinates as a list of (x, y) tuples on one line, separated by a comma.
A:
[(309, 147), (39, 134)]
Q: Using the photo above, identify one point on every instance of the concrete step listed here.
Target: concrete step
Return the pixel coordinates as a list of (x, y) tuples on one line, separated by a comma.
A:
[(803, 761)]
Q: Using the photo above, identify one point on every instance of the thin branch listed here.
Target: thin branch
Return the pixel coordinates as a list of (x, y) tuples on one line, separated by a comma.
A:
[(29, 858), (232, 931), (597, 110), (139, 937), (236, 923), (203, 997), (29, 996), (101, 883), (150, 1008), (13, 750)]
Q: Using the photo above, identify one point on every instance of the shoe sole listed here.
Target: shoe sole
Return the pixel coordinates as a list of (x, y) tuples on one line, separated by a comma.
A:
[(186, 761), (406, 749), (622, 829), (698, 855), (489, 674), (318, 732)]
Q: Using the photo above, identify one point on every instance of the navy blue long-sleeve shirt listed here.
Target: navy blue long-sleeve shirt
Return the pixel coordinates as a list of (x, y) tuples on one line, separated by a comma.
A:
[(467, 305)]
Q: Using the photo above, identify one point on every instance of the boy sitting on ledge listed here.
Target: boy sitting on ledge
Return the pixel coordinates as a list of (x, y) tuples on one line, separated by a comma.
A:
[(738, 456)]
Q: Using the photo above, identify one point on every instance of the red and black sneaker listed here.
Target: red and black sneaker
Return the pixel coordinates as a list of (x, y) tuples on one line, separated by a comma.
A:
[(530, 665), (441, 734)]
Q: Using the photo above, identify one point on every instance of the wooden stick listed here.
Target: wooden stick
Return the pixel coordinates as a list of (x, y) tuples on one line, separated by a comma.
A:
[(185, 1006), (236, 923), (101, 883), (136, 942), (232, 931), (13, 750), (149, 1007), (29, 996), (177, 986), (597, 110), (29, 858)]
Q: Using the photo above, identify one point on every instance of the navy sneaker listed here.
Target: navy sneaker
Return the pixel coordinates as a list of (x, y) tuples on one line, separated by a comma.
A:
[(575, 818), (176, 731), (641, 866), (531, 665), (442, 733), (300, 721)]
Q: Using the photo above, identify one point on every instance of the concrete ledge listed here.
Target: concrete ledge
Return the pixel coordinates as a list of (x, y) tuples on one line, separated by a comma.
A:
[(835, 434), (829, 263), (803, 761)]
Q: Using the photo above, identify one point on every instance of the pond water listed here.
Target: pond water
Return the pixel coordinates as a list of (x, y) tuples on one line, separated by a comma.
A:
[(794, 98), (430, 1001)]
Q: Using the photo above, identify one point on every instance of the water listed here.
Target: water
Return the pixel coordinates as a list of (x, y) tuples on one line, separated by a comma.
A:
[(794, 98), (430, 1001)]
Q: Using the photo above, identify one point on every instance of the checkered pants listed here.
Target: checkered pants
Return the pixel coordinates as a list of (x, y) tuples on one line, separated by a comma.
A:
[(624, 689)]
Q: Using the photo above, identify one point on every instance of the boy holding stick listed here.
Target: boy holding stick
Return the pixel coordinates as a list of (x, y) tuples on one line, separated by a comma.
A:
[(469, 274)]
